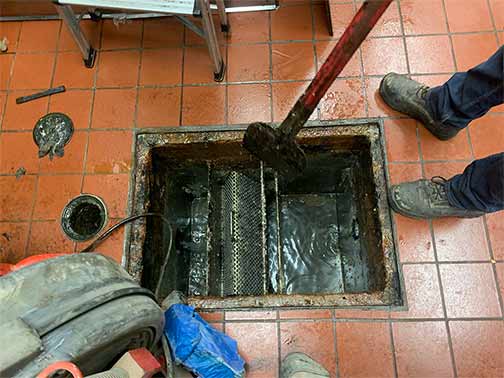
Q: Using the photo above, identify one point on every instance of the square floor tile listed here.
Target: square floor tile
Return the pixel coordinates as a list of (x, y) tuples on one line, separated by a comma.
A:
[(324, 48), (429, 54), (163, 33), (6, 67), (251, 315), (414, 240), (293, 61), (361, 314), (18, 150), (118, 69), (53, 193), (305, 314), (497, 7), (109, 152), (258, 345), (161, 67), (112, 189), (460, 240), (448, 169), (212, 316), (495, 223), (204, 105), (422, 350), (23, 116), (248, 62), (470, 291), (249, 103), (121, 35), (75, 104), (316, 339), (473, 49), (389, 23), (433, 80), (291, 23), (32, 71), (114, 108), (343, 99), (13, 240), (16, 201), (383, 55), (401, 140), (364, 350), (72, 161), (72, 73), (10, 30), (423, 17), (249, 27), (404, 172), (477, 346), (423, 292), (158, 107), (39, 36), (48, 237), (340, 14), (376, 106), (198, 67), (435, 149), (473, 16), (487, 135), (92, 31)]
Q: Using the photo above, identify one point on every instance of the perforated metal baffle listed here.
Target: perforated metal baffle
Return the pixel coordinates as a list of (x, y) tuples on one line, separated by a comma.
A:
[(243, 235)]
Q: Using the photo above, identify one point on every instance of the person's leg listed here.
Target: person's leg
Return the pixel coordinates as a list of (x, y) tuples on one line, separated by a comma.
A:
[(447, 109), (469, 95), (480, 187)]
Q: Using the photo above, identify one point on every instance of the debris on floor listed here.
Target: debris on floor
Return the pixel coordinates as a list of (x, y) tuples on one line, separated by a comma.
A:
[(200, 348)]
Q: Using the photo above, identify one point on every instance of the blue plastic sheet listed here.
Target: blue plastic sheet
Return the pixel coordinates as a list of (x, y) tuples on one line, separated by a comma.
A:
[(200, 348)]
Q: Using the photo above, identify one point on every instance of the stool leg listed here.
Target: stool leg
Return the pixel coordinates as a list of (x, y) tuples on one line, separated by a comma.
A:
[(211, 39), (68, 16), (222, 15)]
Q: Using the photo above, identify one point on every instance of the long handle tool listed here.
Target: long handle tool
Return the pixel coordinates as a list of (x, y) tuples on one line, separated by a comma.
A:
[(277, 147)]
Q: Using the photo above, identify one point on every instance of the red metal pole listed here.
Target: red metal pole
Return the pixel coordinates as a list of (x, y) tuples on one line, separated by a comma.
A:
[(355, 33)]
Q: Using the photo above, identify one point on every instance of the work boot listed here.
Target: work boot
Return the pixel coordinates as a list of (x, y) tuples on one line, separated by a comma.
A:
[(426, 199), (299, 365), (409, 97)]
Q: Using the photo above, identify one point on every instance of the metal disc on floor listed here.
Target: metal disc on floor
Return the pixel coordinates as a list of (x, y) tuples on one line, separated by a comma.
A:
[(52, 133)]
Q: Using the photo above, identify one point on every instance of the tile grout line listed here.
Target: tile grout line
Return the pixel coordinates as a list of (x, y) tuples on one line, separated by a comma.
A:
[(95, 80), (362, 75), (139, 72), (279, 346), (37, 177), (452, 49), (314, 47), (494, 266), (11, 73), (392, 347), (182, 79), (270, 82), (335, 341)]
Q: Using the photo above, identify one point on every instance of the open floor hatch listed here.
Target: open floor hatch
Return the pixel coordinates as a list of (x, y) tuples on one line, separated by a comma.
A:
[(245, 236)]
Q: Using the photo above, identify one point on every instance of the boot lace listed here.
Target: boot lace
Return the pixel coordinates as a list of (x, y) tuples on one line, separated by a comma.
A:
[(422, 91), (438, 190)]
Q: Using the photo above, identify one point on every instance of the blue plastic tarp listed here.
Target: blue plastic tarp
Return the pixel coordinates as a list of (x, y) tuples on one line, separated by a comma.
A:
[(200, 348)]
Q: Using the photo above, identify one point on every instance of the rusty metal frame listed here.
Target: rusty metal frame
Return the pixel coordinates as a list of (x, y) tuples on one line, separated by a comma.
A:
[(391, 295)]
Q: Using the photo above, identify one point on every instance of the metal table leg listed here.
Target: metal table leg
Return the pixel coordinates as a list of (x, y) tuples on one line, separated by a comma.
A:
[(68, 16), (211, 39), (222, 15)]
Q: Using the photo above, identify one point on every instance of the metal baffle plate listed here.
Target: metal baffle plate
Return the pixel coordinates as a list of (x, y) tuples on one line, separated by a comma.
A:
[(52, 133)]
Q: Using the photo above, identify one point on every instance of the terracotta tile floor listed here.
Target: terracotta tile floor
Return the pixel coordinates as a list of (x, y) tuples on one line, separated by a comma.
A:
[(155, 74)]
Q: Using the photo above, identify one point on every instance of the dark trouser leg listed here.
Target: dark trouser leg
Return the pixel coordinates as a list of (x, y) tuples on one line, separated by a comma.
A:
[(480, 187), (469, 95)]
